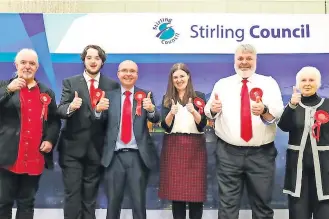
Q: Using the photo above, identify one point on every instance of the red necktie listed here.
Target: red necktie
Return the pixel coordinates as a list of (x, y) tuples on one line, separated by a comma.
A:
[(126, 123), (92, 93), (246, 124)]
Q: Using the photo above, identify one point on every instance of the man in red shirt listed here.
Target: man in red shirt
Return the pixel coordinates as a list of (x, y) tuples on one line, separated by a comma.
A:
[(29, 128)]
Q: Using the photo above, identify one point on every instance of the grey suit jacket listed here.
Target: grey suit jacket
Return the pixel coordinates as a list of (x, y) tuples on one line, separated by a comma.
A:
[(144, 141)]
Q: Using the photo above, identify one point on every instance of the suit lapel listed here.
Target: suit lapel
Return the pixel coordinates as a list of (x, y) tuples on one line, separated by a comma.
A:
[(116, 103), (16, 101), (134, 108), (83, 91), (102, 83)]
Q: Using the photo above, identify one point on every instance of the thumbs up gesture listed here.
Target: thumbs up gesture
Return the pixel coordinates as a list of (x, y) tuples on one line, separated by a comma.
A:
[(216, 104), (190, 106), (174, 108), (257, 107), (76, 103), (103, 103), (147, 103), (295, 97)]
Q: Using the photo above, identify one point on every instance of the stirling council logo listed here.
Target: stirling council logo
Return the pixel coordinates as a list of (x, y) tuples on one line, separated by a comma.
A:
[(165, 31)]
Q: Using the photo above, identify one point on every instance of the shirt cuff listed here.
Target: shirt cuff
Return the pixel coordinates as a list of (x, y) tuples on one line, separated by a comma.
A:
[(292, 106), (267, 122), (68, 110), (98, 115)]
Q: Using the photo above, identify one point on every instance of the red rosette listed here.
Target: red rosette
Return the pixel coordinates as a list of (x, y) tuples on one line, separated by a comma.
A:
[(45, 100), (96, 96), (139, 96), (321, 117), (199, 103), (256, 92)]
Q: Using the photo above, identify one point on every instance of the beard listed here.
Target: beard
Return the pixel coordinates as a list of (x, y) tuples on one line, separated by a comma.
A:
[(27, 76), (91, 72), (244, 74)]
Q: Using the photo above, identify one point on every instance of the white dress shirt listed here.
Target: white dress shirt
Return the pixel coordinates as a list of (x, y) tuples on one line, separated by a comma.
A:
[(184, 121), (227, 123), (132, 144), (88, 81)]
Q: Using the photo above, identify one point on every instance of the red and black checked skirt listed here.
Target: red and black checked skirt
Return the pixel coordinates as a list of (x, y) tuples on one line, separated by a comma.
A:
[(183, 168)]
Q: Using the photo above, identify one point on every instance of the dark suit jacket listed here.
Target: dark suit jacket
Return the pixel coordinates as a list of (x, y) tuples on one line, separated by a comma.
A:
[(10, 124), (79, 128), (144, 141), (166, 110)]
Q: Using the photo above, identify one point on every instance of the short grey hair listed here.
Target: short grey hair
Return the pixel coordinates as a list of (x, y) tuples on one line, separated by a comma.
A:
[(26, 50), (246, 48), (309, 69)]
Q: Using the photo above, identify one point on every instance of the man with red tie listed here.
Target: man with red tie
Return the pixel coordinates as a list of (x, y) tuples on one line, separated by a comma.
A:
[(81, 140), (129, 153), (29, 129), (245, 107)]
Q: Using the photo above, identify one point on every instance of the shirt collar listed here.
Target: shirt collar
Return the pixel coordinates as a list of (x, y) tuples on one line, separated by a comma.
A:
[(239, 79), (124, 90), (88, 78)]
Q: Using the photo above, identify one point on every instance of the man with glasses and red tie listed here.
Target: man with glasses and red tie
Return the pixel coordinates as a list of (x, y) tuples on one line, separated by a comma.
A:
[(129, 152), (245, 107), (82, 137)]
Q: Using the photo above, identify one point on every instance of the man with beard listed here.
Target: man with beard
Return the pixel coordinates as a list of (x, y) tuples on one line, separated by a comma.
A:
[(245, 107), (82, 138), (29, 129), (129, 152)]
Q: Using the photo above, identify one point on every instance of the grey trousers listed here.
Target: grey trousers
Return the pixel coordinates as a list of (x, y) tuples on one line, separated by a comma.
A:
[(252, 167), (127, 170)]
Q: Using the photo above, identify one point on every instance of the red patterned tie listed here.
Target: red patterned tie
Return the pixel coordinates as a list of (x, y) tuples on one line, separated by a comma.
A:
[(92, 92), (126, 123), (246, 124)]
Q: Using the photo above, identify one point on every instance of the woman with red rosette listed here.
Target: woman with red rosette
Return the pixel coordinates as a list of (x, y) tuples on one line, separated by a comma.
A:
[(183, 165), (306, 118)]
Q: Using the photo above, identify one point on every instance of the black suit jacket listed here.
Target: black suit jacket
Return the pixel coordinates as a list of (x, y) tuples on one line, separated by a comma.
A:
[(166, 110), (79, 128), (10, 124), (144, 141)]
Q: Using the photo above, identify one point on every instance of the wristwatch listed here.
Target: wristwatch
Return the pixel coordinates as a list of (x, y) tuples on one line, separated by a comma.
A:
[(265, 110)]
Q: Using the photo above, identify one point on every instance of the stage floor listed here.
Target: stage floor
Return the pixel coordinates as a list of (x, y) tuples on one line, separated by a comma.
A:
[(151, 214)]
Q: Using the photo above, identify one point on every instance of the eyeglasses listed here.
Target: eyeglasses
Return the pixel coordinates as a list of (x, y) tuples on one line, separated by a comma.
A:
[(126, 71)]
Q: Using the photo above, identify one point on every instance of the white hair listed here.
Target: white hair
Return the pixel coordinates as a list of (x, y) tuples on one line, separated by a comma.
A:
[(24, 51), (246, 48), (309, 70)]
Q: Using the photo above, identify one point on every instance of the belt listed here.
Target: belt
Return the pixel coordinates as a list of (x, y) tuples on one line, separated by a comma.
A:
[(126, 150)]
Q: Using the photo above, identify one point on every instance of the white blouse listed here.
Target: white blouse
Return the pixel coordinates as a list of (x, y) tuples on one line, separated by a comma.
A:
[(184, 121)]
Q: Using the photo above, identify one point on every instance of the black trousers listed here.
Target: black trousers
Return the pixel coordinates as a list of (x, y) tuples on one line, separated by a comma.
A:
[(308, 205), (21, 188), (179, 210), (81, 177), (126, 171), (253, 167)]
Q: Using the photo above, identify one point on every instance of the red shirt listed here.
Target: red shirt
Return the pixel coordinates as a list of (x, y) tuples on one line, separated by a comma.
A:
[(30, 160)]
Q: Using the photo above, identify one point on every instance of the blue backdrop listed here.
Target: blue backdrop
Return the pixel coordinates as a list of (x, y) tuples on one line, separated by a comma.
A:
[(27, 30)]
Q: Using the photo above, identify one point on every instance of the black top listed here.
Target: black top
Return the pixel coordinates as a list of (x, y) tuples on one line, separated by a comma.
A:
[(311, 100), (293, 120)]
